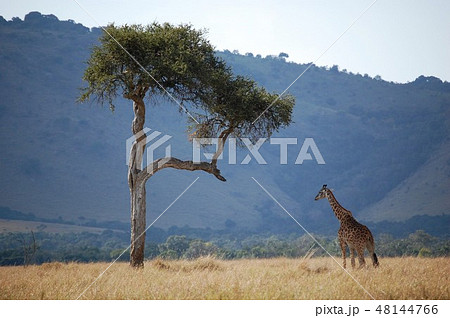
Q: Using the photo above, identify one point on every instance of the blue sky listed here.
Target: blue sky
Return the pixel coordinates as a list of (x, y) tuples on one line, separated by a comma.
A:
[(397, 39)]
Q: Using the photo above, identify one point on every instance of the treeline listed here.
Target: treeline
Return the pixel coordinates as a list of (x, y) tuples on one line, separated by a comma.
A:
[(42, 247)]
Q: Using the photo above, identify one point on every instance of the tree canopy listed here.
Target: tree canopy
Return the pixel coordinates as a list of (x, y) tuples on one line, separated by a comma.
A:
[(236, 106), (163, 59)]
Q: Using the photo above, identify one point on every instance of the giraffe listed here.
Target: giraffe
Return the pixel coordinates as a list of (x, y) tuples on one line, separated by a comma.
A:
[(351, 233)]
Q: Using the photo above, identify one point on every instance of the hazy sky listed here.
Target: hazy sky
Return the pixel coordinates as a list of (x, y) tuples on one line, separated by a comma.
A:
[(397, 39)]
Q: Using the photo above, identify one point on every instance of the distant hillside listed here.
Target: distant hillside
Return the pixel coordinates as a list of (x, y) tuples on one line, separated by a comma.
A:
[(12, 226), (425, 191), (60, 159)]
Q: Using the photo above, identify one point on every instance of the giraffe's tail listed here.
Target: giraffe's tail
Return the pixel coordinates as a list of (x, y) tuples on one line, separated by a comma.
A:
[(375, 260), (371, 247)]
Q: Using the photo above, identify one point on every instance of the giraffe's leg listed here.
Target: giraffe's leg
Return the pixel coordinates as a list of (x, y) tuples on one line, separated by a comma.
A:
[(352, 255), (362, 261), (343, 245)]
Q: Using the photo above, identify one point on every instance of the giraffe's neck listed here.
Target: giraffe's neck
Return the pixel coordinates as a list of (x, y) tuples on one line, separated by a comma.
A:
[(340, 212)]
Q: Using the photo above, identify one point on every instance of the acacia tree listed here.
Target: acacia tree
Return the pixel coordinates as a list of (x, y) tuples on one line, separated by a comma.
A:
[(175, 62)]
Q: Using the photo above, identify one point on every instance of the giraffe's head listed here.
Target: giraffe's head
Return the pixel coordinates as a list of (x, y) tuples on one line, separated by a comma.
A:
[(322, 193)]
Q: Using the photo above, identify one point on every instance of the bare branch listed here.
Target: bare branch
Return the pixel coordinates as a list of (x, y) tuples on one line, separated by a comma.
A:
[(175, 163)]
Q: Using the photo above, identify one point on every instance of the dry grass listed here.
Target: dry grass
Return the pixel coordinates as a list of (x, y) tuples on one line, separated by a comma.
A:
[(207, 278)]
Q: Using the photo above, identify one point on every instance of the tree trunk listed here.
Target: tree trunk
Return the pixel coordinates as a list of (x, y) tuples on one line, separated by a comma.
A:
[(137, 177), (137, 186), (138, 224)]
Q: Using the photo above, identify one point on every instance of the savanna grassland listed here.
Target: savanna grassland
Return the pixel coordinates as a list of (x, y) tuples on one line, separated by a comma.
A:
[(207, 278)]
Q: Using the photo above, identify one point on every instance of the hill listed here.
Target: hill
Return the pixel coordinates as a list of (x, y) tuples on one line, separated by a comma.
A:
[(61, 159), (11, 226), (428, 189)]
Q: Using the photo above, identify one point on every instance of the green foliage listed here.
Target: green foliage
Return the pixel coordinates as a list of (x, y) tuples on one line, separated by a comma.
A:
[(238, 105), (424, 252), (174, 247), (161, 58), (199, 248), (134, 59), (418, 243), (107, 246)]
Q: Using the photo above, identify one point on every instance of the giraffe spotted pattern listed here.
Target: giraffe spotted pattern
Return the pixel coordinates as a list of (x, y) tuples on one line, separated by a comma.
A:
[(351, 233)]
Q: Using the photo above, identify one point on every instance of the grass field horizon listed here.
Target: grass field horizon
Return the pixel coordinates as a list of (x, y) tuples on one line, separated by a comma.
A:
[(208, 278)]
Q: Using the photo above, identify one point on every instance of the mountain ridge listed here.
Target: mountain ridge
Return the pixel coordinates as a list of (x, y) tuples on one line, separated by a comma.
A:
[(63, 159)]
